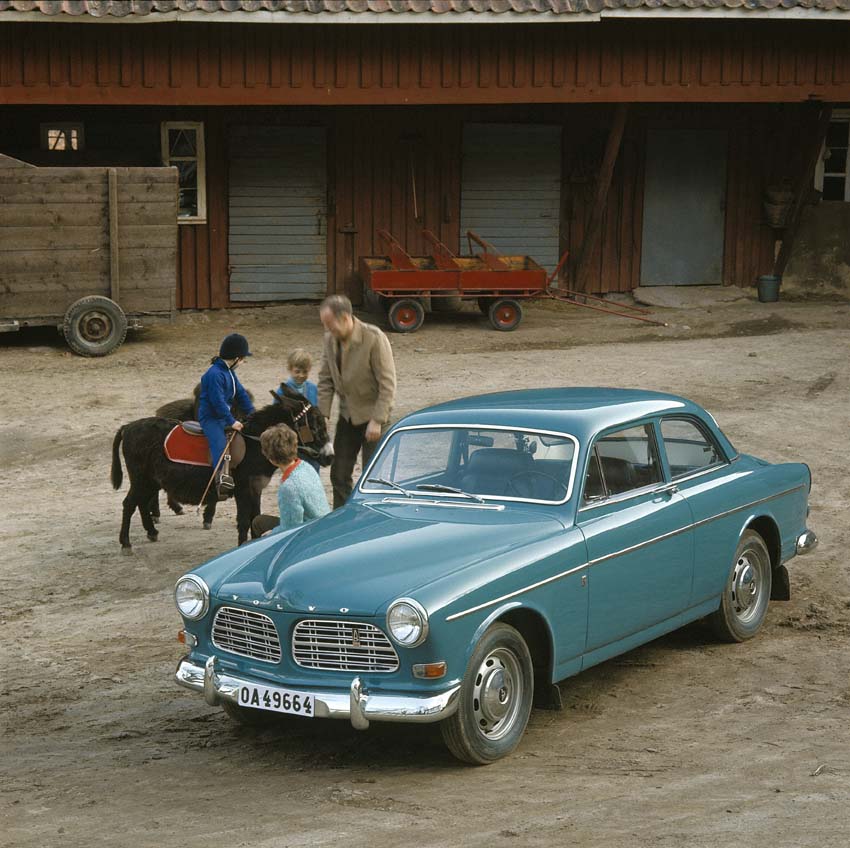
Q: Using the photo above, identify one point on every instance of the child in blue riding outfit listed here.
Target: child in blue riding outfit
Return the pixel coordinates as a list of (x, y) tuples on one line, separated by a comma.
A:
[(299, 364), (219, 388)]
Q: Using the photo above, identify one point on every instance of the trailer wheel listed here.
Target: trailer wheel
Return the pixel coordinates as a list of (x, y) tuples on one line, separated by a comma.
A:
[(94, 326), (406, 316), (505, 314)]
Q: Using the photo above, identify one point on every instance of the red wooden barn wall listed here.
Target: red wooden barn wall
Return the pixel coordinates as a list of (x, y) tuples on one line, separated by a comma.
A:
[(265, 64)]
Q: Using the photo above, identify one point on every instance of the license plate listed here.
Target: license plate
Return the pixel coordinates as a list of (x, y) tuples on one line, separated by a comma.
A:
[(276, 700)]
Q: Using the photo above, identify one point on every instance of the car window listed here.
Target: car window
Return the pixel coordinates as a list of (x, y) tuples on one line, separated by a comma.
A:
[(622, 461), (688, 447)]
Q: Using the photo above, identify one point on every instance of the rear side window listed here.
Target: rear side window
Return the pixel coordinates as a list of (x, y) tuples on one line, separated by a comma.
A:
[(689, 448), (622, 461)]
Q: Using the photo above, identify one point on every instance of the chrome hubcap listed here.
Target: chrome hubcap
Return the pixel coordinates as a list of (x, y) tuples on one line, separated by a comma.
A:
[(497, 693), (745, 586)]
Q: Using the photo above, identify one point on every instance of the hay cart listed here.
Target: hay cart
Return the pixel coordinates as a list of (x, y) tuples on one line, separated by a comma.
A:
[(498, 284), (90, 250)]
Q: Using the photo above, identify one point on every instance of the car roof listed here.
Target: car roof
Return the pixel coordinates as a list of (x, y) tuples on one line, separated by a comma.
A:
[(578, 411)]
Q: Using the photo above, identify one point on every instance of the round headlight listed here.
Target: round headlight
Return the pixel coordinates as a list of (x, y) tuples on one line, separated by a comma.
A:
[(192, 596), (407, 622)]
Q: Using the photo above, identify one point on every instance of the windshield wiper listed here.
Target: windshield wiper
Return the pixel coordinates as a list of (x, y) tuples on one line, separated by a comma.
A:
[(390, 484), (437, 487)]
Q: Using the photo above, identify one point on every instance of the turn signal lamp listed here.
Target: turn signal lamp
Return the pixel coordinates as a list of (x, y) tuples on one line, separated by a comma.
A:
[(428, 671)]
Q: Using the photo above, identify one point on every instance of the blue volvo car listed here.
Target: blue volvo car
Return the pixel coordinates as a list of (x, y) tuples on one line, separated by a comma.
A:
[(495, 546)]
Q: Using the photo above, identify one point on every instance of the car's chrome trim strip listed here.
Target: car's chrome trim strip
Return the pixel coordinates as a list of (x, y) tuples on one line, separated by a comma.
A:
[(621, 552), (517, 592), (505, 428)]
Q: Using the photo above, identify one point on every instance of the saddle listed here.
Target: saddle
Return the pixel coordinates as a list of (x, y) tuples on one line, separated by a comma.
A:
[(186, 444)]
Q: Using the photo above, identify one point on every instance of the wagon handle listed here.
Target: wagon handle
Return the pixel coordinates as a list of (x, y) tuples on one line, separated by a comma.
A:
[(554, 275)]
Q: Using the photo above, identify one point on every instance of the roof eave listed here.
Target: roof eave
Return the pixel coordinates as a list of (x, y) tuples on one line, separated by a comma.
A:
[(262, 16)]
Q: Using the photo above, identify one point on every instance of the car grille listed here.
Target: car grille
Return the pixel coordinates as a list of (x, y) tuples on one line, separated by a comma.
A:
[(342, 646), (247, 633)]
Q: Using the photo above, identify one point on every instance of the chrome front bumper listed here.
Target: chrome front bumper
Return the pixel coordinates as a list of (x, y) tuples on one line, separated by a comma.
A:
[(806, 542), (357, 704)]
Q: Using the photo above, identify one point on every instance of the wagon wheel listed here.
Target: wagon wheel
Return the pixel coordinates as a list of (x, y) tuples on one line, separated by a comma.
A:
[(406, 316), (505, 314), (94, 326)]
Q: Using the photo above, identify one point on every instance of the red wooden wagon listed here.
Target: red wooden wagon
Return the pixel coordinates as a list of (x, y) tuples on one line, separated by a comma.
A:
[(497, 283)]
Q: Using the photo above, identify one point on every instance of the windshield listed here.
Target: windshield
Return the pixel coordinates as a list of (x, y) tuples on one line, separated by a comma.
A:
[(487, 462)]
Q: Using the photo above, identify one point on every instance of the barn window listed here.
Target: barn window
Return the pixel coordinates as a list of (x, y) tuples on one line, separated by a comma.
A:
[(832, 172), (62, 137), (183, 147)]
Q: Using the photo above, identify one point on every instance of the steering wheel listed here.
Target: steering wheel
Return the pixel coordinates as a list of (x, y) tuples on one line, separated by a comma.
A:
[(532, 474)]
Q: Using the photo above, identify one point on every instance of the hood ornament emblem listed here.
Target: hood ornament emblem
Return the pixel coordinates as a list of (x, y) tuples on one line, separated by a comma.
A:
[(311, 608), (343, 609)]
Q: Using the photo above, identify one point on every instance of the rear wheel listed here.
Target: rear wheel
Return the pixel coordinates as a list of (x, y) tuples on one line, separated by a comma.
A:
[(495, 699), (406, 316), (94, 326), (505, 314), (747, 592)]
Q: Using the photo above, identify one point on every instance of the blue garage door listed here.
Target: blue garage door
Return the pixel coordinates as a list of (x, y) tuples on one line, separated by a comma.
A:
[(511, 188), (278, 213)]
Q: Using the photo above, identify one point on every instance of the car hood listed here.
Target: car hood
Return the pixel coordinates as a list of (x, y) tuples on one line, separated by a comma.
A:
[(361, 557)]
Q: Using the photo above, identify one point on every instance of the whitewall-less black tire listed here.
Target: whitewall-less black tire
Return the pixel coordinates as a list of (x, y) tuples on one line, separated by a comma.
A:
[(495, 698)]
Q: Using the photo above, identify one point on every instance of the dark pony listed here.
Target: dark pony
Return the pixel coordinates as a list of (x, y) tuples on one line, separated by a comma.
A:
[(149, 470)]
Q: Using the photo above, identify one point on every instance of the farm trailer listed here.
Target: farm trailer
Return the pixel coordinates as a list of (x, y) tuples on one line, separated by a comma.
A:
[(91, 250)]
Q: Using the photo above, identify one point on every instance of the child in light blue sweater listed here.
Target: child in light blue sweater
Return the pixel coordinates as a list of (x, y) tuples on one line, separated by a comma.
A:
[(301, 496)]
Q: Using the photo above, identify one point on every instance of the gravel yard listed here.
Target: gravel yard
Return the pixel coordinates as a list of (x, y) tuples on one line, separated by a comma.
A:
[(681, 742)]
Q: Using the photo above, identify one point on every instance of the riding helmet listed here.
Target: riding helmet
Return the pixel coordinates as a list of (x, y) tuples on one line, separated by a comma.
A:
[(234, 346)]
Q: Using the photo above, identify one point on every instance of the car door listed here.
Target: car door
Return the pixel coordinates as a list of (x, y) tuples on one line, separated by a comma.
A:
[(639, 540), (701, 472)]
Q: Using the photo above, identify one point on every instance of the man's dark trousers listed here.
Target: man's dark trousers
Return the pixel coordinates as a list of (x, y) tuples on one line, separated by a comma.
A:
[(349, 440)]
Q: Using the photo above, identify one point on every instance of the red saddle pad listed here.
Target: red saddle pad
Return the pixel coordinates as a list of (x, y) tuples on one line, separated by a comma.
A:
[(186, 448)]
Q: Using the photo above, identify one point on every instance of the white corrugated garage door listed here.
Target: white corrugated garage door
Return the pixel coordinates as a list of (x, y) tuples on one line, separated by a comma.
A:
[(278, 213), (511, 188)]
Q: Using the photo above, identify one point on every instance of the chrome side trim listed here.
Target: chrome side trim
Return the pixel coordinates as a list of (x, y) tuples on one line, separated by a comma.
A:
[(425, 709), (624, 551), (640, 545), (505, 428), (517, 592), (703, 521), (806, 542)]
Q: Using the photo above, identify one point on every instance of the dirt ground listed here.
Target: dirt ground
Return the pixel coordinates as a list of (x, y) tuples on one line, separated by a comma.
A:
[(681, 742)]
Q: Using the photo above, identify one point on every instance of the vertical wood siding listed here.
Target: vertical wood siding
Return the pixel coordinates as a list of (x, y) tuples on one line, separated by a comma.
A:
[(615, 61)]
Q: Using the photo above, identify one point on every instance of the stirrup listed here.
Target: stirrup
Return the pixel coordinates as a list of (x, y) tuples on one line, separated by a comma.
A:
[(225, 486)]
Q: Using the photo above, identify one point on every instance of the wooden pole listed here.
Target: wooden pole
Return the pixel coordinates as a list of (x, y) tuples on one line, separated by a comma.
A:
[(603, 185), (803, 188), (114, 280)]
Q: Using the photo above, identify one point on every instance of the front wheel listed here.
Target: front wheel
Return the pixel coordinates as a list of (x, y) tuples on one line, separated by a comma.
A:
[(495, 699), (747, 592)]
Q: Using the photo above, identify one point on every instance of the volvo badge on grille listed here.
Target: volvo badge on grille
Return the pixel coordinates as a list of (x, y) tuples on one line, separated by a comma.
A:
[(355, 637)]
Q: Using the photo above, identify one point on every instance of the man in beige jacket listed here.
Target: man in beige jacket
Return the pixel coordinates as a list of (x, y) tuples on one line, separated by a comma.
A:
[(358, 367)]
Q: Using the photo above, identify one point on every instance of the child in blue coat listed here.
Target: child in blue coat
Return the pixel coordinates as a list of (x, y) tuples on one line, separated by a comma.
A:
[(299, 364), (219, 388)]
